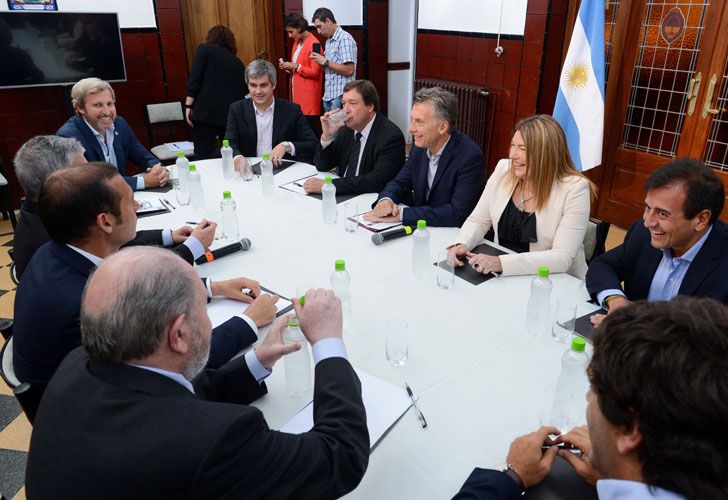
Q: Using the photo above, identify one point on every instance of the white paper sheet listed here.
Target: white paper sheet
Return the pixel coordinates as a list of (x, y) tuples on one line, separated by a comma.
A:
[(384, 403), (220, 309), (297, 185), (377, 226), (180, 146)]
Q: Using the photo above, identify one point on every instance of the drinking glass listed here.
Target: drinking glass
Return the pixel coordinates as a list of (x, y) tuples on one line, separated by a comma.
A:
[(556, 407), (445, 270), (182, 194), (351, 211), (564, 320), (246, 170), (397, 343), (339, 116)]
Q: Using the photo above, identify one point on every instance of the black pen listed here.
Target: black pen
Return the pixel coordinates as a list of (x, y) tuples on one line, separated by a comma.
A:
[(417, 408), (298, 184), (190, 222), (169, 203), (563, 446)]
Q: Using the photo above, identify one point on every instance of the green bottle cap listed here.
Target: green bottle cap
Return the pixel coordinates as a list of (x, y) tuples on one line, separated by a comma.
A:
[(578, 344), (543, 272), (225, 143), (302, 299), (266, 156), (421, 224), (226, 195), (327, 180), (340, 265), (192, 167), (181, 154)]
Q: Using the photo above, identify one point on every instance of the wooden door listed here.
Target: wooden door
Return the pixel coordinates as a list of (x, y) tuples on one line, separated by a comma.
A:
[(666, 95)]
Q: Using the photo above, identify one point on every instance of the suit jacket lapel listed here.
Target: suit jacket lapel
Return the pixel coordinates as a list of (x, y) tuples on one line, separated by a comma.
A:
[(371, 139), (119, 151), (703, 263), (91, 140), (278, 115), (443, 163), (252, 131)]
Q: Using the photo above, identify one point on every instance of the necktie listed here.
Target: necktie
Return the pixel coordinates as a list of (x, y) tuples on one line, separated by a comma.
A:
[(353, 156)]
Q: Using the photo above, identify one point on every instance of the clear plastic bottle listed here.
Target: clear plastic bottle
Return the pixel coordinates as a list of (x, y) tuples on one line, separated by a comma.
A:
[(228, 171), (266, 171), (573, 379), (328, 195), (197, 196), (421, 251), (341, 285), (297, 365), (230, 230), (538, 320), (183, 170)]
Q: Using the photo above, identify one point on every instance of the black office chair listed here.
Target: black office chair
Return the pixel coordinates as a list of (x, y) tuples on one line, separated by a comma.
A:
[(28, 396), (595, 239)]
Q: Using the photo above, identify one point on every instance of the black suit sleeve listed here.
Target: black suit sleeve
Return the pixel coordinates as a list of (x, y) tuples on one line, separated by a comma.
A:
[(194, 81), (154, 237), (234, 122), (609, 270), (229, 339), (305, 140), (326, 462), (230, 383), (487, 484)]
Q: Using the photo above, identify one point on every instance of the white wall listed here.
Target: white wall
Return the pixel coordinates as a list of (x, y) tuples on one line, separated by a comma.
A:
[(346, 12), (402, 33), (132, 13), (475, 16)]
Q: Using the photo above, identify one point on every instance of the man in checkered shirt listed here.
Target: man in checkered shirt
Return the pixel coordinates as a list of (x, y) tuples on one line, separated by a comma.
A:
[(339, 59)]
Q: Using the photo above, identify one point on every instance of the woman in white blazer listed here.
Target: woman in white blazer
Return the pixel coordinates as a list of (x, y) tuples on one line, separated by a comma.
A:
[(537, 204)]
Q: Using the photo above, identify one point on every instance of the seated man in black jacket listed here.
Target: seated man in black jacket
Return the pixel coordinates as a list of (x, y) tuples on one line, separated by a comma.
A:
[(132, 414), (367, 153)]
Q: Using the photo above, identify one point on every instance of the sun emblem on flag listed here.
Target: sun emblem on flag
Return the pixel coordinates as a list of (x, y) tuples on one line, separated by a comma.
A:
[(576, 76)]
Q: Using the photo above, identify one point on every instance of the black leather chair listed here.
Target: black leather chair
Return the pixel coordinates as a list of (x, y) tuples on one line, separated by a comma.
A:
[(27, 395)]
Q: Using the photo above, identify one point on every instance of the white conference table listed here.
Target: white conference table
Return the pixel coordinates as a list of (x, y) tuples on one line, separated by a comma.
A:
[(479, 376)]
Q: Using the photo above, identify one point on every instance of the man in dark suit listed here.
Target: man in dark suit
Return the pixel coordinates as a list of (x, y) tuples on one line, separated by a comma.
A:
[(133, 416), (367, 153), (44, 154), (264, 124), (89, 213), (107, 137), (444, 175), (657, 412), (679, 246)]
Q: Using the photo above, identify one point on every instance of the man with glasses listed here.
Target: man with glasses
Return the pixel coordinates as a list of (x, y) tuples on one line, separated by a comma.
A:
[(679, 248)]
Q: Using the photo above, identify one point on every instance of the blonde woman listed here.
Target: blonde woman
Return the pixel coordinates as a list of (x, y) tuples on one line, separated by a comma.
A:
[(537, 204)]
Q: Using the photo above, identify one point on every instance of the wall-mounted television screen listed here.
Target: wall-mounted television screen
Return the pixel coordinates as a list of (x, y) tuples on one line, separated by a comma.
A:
[(56, 48)]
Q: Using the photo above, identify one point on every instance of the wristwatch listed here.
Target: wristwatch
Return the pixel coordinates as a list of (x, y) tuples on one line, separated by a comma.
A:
[(288, 146), (516, 478), (326, 63)]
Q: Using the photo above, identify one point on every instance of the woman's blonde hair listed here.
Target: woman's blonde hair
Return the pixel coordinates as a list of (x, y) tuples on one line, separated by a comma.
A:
[(547, 157)]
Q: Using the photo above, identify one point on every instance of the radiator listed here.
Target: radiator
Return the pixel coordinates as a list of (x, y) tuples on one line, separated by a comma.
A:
[(475, 119)]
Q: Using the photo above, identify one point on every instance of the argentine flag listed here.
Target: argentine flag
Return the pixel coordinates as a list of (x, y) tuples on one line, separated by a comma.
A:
[(579, 104)]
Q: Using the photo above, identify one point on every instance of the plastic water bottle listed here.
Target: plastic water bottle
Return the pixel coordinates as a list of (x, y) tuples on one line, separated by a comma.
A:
[(228, 171), (298, 363), (341, 285), (573, 378), (266, 170), (328, 193), (421, 251), (230, 229), (197, 196), (183, 170), (538, 320)]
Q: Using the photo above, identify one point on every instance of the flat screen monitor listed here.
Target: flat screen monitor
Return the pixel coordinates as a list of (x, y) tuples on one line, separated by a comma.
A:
[(56, 48)]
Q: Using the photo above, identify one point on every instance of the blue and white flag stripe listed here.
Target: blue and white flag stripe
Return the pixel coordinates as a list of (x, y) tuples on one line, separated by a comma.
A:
[(579, 104)]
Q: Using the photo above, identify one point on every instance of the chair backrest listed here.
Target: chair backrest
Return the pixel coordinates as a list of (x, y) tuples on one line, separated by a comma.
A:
[(595, 238), (8, 372), (165, 112)]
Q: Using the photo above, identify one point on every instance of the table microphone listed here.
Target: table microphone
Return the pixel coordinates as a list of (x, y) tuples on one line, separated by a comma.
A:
[(392, 234), (239, 246)]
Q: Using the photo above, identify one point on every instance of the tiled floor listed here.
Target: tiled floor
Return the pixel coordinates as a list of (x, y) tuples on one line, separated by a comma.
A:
[(14, 427)]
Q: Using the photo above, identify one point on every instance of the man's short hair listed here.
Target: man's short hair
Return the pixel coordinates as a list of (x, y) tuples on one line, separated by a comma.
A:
[(260, 68), (83, 88), (366, 90), (703, 189), (296, 21), (39, 157), (444, 103), (662, 366), (71, 199), (146, 299), (322, 14)]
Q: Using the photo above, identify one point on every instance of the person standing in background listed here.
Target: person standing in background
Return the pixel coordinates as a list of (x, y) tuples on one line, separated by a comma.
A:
[(306, 75), (339, 59), (216, 80)]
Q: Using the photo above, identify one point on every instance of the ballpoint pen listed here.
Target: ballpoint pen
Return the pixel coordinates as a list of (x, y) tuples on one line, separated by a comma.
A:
[(169, 203), (417, 408)]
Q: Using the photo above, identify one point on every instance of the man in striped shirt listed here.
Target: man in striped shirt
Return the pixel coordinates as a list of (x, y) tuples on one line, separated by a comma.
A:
[(339, 59)]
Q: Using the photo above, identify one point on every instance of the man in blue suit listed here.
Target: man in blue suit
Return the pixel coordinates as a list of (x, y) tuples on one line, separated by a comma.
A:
[(444, 175), (89, 213), (679, 246), (107, 137)]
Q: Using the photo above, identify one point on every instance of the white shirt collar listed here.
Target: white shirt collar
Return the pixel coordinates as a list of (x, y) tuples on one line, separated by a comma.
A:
[(436, 156), (367, 128), (268, 109), (93, 258), (96, 132), (177, 377)]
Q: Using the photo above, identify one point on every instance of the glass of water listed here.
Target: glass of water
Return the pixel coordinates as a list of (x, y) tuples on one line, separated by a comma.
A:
[(246, 170), (182, 194), (351, 216), (397, 343), (556, 407), (445, 270), (564, 320)]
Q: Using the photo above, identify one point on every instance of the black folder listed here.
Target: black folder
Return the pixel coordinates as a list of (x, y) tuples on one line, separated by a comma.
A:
[(469, 274)]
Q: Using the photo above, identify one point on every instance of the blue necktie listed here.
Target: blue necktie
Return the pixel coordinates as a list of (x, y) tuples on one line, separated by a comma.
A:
[(353, 156)]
